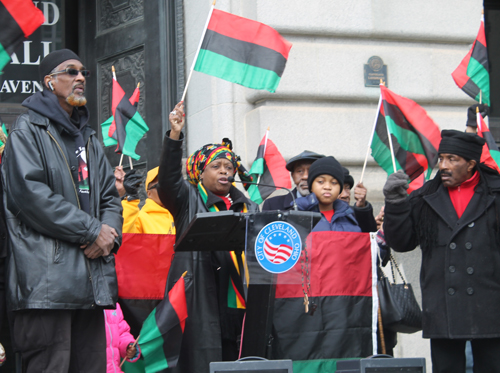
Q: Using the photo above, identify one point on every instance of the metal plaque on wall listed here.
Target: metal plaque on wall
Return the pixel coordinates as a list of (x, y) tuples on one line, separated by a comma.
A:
[(375, 71)]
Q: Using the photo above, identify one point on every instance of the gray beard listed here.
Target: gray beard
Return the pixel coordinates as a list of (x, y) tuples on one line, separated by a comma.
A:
[(76, 101), (303, 193)]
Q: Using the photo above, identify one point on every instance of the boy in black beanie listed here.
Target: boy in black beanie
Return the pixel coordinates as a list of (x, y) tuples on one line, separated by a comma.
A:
[(326, 181)]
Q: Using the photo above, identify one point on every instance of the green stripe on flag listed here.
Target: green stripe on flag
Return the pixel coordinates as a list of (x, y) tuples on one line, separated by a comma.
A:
[(496, 156), (407, 140), (237, 72), (382, 155), (108, 141), (254, 194), (154, 357), (257, 167), (480, 76), (4, 58), (231, 296), (135, 129)]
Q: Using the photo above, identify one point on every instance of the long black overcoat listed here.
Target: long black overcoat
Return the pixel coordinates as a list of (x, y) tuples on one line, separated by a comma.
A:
[(201, 341), (460, 273)]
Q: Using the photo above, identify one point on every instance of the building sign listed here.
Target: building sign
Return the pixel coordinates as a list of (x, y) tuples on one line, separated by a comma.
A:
[(20, 77), (375, 72)]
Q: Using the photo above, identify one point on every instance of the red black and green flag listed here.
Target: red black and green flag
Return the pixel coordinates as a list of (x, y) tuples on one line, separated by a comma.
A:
[(415, 138), (130, 127), (161, 335), (3, 138), (472, 75), (491, 153), (340, 279), (108, 127), (243, 51), (18, 20), (268, 168), (142, 266)]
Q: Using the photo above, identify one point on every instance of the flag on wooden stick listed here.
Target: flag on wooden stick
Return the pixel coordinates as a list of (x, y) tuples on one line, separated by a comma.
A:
[(243, 51), (129, 125), (472, 75), (268, 168), (415, 138), (161, 334)]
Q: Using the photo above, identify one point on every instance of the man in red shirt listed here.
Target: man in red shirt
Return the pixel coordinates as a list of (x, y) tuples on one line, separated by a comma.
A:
[(455, 220)]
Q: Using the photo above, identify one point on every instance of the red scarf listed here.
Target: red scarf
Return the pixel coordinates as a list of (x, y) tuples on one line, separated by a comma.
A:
[(462, 194), (227, 201)]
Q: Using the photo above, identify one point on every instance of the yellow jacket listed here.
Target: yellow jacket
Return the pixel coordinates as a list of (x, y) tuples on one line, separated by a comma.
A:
[(130, 212), (154, 219)]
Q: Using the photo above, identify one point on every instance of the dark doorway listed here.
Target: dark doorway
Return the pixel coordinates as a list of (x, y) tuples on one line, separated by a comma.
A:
[(142, 40), (492, 31)]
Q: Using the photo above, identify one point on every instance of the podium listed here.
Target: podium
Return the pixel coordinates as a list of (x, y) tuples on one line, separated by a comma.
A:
[(233, 231)]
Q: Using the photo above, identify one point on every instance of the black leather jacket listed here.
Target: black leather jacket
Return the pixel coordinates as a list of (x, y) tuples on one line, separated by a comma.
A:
[(46, 267)]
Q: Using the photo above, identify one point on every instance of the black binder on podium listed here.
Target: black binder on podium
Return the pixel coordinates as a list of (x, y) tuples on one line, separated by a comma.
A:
[(233, 231)]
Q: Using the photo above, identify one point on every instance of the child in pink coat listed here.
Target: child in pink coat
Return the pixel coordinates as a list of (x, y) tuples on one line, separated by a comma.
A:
[(119, 341)]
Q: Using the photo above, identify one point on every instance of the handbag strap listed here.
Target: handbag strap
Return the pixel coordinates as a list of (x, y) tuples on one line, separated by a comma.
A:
[(395, 264)]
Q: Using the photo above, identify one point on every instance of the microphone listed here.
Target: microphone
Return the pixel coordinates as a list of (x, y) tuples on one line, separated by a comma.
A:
[(233, 180)]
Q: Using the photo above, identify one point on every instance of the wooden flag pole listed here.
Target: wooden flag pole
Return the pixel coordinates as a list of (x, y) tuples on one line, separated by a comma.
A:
[(135, 343), (121, 160), (265, 146), (198, 50), (392, 148), (130, 162), (371, 138), (113, 71)]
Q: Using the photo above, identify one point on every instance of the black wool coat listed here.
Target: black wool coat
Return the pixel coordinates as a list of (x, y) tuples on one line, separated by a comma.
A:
[(460, 273), (209, 319)]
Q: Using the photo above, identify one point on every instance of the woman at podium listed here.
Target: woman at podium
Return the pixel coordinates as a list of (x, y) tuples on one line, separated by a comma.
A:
[(215, 300)]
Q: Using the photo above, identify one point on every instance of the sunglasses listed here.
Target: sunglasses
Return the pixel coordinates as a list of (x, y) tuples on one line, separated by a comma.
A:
[(72, 72)]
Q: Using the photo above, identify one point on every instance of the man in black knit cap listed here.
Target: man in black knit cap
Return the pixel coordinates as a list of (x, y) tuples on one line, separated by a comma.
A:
[(64, 223), (455, 220)]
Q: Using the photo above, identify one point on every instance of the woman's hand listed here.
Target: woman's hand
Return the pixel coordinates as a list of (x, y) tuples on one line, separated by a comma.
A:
[(177, 121)]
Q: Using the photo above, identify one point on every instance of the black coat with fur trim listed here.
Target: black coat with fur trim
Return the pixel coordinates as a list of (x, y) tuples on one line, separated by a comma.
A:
[(460, 273)]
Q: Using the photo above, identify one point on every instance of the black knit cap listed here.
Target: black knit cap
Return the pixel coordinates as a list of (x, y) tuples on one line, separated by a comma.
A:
[(326, 166), (348, 179), (306, 155), (54, 59), (464, 144)]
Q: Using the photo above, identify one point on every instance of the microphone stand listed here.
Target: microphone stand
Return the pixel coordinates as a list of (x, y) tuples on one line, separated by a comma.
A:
[(232, 180)]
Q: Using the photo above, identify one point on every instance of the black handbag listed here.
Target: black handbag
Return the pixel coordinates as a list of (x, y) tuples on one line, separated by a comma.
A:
[(399, 308)]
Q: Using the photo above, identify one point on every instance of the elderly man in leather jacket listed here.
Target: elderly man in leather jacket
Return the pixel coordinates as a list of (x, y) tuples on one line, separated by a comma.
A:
[(64, 223)]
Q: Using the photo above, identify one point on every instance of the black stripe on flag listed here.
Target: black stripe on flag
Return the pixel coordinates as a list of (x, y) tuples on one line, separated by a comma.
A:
[(405, 159), (244, 52), (341, 327), (471, 88), (169, 326), (431, 153), (11, 34), (480, 54), (123, 113)]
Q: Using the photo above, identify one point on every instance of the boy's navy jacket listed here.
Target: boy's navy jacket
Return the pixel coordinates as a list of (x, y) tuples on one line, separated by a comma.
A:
[(343, 219)]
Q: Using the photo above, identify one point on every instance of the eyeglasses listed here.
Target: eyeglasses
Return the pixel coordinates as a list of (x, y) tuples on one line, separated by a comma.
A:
[(72, 72)]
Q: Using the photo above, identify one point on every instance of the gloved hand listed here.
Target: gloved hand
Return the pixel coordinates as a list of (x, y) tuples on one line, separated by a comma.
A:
[(395, 187), (471, 114), (132, 183)]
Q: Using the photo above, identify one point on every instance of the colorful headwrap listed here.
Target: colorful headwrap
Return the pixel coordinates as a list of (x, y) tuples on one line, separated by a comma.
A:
[(197, 161)]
